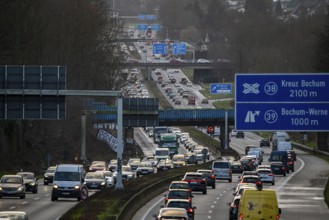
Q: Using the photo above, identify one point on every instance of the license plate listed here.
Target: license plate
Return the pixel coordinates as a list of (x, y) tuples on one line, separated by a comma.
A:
[(93, 185), (66, 193), (276, 168), (193, 183)]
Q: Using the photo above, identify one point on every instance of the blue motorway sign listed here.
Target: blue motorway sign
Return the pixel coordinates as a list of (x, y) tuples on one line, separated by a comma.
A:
[(141, 17), (142, 27), (178, 48), (160, 49), (150, 17), (287, 117), (155, 27), (221, 88), (291, 102), (282, 87)]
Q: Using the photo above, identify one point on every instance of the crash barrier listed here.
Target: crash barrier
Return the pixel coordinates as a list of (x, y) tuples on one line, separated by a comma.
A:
[(309, 149), (142, 197)]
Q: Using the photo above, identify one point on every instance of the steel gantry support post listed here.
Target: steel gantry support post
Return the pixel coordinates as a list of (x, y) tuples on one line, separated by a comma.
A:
[(119, 184)]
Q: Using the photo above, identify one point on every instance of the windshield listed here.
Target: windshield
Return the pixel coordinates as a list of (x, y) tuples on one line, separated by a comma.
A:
[(162, 153), (67, 176), (221, 165), (27, 175), (11, 180), (169, 144)]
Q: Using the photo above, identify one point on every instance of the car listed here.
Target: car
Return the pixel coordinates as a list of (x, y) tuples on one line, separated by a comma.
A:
[(247, 163), (171, 213), (152, 160), (178, 160), (178, 194), (265, 142), (291, 163), (95, 180), (113, 165), (264, 166), (236, 167), (189, 84), (278, 167), (134, 163), (242, 186), (182, 203), (180, 185), (178, 101), (48, 177), (197, 181), (30, 181), (144, 168), (164, 164), (234, 207), (209, 176), (127, 173), (12, 186), (266, 176), (252, 179), (252, 172), (239, 134), (151, 133), (293, 154), (13, 215), (97, 165), (203, 61), (108, 176), (233, 133), (222, 170), (204, 101)]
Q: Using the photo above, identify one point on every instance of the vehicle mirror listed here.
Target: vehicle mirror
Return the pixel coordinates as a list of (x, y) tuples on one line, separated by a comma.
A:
[(161, 206), (154, 216), (194, 207), (165, 195), (82, 180), (229, 204), (279, 211)]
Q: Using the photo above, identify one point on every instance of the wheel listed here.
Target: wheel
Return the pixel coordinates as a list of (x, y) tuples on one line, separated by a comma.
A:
[(273, 183), (79, 198), (214, 186), (293, 169), (0, 197), (230, 180), (22, 196), (204, 192), (45, 183), (35, 191), (53, 198), (284, 174)]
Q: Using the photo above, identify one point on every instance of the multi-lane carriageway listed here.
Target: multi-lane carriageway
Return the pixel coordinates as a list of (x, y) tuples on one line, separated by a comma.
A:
[(300, 193)]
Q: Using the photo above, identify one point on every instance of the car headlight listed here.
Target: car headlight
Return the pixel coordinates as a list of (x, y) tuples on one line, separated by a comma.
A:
[(0, 188), (32, 184), (103, 183), (46, 176), (76, 187), (130, 175), (21, 188), (55, 186)]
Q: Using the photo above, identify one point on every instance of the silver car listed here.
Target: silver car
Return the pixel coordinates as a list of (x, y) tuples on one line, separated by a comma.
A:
[(266, 176), (222, 170)]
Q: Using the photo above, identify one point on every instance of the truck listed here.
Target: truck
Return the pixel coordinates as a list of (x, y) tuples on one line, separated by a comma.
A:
[(191, 100), (157, 131), (169, 140)]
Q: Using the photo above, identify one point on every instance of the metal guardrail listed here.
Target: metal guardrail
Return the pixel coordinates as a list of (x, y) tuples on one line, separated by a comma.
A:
[(310, 149)]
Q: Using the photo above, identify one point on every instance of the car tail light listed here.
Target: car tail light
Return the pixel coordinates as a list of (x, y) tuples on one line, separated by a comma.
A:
[(277, 216), (258, 183), (270, 174), (212, 176), (190, 210), (189, 199), (283, 168), (241, 216)]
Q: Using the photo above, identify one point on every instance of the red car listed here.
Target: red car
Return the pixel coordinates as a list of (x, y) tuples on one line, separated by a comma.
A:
[(197, 181)]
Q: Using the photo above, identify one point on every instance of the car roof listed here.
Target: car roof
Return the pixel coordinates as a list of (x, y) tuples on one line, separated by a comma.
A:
[(250, 176), (193, 173), (181, 212), (204, 170)]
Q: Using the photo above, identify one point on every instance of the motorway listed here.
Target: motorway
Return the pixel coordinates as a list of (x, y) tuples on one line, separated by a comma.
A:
[(300, 193)]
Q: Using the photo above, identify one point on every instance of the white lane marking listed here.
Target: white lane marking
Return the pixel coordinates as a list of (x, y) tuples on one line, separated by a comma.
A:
[(292, 175), (210, 211), (209, 217), (37, 198), (13, 207), (212, 206), (23, 203), (149, 210)]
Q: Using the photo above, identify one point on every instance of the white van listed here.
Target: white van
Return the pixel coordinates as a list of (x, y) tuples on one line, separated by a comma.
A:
[(284, 146), (279, 136), (68, 181), (162, 153)]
